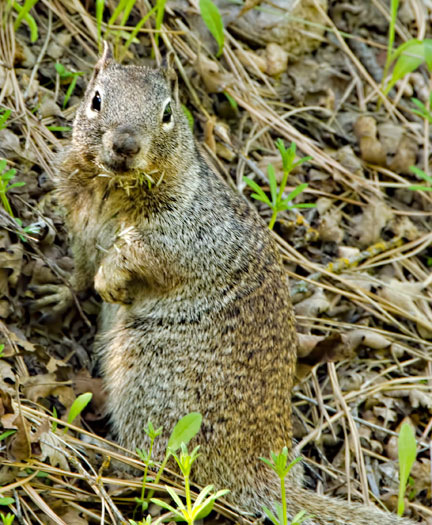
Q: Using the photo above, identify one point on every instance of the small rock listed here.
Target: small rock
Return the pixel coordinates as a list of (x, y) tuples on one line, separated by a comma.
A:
[(277, 60), (59, 45), (49, 108)]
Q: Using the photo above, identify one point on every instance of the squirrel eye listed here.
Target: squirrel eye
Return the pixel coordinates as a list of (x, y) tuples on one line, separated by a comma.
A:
[(167, 114), (96, 102)]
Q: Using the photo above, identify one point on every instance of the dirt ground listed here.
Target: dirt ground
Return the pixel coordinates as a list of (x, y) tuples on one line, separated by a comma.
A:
[(358, 262)]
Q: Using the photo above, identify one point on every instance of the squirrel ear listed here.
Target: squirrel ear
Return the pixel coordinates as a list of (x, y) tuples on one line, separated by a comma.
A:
[(107, 56)]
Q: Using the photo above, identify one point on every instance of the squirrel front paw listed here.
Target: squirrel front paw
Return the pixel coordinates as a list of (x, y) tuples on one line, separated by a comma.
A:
[(112, 286), (53, 300)]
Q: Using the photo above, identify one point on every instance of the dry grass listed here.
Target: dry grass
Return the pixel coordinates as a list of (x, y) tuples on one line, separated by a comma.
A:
[(367, 364)]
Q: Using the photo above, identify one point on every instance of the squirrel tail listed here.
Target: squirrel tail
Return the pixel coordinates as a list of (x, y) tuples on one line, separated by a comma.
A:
[(332, 511)]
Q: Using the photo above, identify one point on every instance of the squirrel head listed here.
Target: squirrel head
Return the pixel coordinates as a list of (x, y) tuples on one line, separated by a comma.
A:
[(131, 122)]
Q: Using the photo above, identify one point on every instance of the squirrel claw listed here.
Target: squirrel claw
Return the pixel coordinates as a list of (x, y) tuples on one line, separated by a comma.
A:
[(57, 296)]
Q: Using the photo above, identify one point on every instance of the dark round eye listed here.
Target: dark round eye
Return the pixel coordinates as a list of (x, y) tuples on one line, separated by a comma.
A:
[(167, 114), (96, 102)]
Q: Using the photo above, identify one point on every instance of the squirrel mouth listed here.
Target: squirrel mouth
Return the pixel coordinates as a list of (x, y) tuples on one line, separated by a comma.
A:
[(117, 163)]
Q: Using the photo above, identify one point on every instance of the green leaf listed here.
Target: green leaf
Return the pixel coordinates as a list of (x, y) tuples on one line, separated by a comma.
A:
[(409, 56), (7, 501), (175, 498), (297, 191), (213, 20), (416, 187), (189, 116), (185, 430), (421, 174), (78, 406), (262, 198), (259, 191), (166, 506), (407, 451), (271, 516), (231, 100)]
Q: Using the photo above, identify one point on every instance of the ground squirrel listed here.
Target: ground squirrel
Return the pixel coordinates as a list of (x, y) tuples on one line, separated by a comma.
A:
[(196, 313)]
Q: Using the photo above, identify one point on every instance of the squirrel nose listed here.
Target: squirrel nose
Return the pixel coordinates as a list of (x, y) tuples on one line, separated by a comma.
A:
[(125, 143)]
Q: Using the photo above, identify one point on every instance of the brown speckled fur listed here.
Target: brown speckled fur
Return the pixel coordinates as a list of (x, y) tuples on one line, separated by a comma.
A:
[(196, 313)]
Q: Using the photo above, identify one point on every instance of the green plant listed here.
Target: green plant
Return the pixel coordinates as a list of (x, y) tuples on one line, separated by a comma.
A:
[(408, 57), (422, 175), (394, 4), (69, 77), (203, 504), (4, 115), (24, 14), (213, 20), (278, 202), (185, 429), (407, 451), (6, 177), (146, 459), (279, 464), (423, 111), (100, 6), (6, 434), (8, 519), (77, 407), (160, 11)]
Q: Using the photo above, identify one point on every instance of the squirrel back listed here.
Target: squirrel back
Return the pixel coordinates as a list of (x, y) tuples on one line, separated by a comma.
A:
[(196, 314)]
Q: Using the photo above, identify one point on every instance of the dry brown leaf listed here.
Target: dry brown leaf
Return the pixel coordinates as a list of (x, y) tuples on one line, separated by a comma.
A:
[(371, 222), (329, 227), (12, 259), (306, 343), (314, 305), (51, 449), (19, 445), (420, 398), (406, 156), (215, 81), (371, 149)]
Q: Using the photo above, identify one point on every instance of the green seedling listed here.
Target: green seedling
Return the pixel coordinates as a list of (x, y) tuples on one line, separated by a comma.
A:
[(146, 459), (394, 4), (7, 501), (189, 116), (77, 407), (231, 100), (203, 504), (6, 177), (69, 77), (132, 37), (422, 175), (278, 202), (408, 57), (8, 519), (1, 350), (24, 14), (6, 434), (407, 451), (160, 12), (29, 230), (213, 20), (4, 115), (423, 111), (185, 429), (100, 6), (279, 464)]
